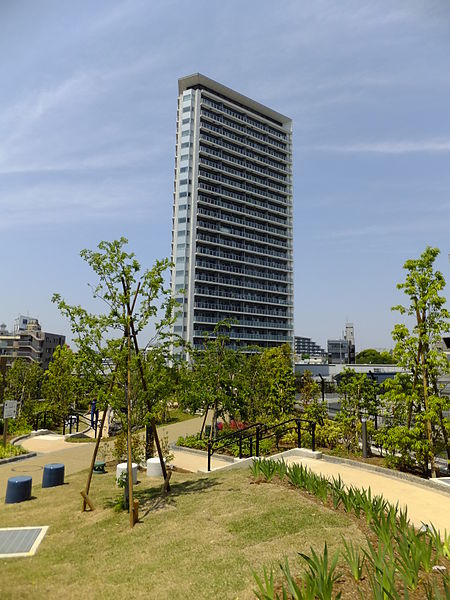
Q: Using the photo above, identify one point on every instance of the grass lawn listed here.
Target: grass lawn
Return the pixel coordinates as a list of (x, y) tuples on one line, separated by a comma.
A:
[(176, 415), (200, 541)]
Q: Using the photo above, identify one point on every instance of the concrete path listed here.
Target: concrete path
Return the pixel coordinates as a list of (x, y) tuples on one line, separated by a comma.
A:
[(76, 458), (52, 448), (50, 442), (424, 505)]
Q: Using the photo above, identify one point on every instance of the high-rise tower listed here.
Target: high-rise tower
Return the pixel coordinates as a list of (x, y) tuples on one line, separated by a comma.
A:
[(232, 216)]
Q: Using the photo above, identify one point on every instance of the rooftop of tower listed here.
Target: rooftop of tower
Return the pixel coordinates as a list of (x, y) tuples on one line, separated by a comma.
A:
[(199, 80)]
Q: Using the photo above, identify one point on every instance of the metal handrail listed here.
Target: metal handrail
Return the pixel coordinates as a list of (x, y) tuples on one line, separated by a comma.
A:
[(247, 433)]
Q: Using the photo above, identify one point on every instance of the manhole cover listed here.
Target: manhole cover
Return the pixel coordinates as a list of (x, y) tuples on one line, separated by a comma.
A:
[(20, 541), (27, 468)]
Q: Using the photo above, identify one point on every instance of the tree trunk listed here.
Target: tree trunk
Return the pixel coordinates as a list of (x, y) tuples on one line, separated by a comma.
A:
[(204, 421), (212, 433), (446, 438)]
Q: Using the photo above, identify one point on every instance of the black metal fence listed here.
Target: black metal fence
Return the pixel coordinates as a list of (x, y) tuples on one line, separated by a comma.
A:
[(254, 434), (69, 423)]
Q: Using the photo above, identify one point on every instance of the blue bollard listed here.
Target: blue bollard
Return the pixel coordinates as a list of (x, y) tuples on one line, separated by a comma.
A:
[(18, 489), (53, 475)]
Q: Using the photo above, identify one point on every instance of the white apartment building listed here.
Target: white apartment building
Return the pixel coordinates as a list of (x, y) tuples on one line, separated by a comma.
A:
[(232, 216)]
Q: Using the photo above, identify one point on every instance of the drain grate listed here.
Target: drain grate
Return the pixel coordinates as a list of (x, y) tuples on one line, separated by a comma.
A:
[(20, 541)]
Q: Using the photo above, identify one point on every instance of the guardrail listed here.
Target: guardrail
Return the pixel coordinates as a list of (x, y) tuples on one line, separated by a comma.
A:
[(70, 422), (258, 432)]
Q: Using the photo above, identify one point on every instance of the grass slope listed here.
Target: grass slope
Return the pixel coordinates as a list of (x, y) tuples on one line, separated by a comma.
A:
[(201, 541)]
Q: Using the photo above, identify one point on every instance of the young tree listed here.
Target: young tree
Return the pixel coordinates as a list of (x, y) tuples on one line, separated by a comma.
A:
[(214, 377), (110, 339), (23, 383), (274, 393), (418, 349), (358, 397), (312, 405), (60, 386)]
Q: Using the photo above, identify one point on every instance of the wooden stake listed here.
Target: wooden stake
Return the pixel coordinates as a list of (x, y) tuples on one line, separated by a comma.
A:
[(129, 439), (166, 486), (135, 511), (86, 500)]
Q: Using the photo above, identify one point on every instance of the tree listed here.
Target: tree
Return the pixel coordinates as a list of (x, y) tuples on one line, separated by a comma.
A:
[(312, 406), (108, 341), (214, 377), (274, 391), (373, 357), (418, 349), (23, 383), (61, 385), (358, 397)]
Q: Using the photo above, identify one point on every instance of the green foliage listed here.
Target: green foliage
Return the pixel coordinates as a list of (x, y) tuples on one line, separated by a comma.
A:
[(275, 393), (268, 468), (312, 406), (373, 357), (130, 298), (193, 441), (330, 434), (23, 383), (137, 447), (321, 575), (354, 559), (381, 573), (213, 378), (418, 349), (11, 450), (394, 550), (60, 385), (404, 446)]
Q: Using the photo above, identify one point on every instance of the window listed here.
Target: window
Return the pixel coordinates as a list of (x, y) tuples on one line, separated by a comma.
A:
[(184, 169), (186, 108), (185, 133), (183, 181), (184, 121), (179, 272), (185, 145), (182, 220)]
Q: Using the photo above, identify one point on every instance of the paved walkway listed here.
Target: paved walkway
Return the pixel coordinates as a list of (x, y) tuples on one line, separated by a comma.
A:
[(424, 505), (52, 448)]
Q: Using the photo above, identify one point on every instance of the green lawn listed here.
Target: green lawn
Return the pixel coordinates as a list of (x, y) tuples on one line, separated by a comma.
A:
[(201, 541)]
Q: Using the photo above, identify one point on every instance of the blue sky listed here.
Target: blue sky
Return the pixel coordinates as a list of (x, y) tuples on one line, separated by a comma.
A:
[(87, 140)]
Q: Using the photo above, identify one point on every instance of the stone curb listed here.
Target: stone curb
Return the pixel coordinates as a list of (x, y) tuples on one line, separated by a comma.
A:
[(11, 459), (26, 436), (407, 477)]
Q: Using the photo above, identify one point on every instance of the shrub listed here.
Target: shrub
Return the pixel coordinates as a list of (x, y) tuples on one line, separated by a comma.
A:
[(9, 450), (329, 435), (193, 441), (137, 447)]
